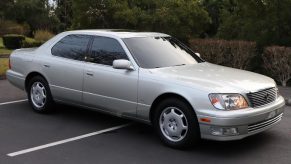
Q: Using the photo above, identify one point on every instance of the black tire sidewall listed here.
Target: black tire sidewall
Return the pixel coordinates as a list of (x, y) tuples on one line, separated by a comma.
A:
[(193, 134), (48, 106)]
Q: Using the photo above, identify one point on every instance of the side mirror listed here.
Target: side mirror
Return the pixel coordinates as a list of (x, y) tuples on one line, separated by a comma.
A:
[(122, 64), (196, 53)]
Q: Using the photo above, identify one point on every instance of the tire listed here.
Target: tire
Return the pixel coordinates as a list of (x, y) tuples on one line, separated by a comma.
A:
[(39, 95), (169, 117)]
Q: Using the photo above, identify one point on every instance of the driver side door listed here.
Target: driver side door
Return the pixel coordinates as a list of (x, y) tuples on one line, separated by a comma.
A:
[(106, 88)]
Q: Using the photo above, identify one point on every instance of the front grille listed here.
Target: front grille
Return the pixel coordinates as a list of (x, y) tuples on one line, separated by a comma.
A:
[(264, 124), (263, 97)]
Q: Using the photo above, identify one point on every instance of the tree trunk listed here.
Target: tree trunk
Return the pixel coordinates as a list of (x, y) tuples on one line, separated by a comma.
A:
[(284, 83)]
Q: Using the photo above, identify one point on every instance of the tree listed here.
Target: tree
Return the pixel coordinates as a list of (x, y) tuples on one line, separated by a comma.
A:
[(181, 18), (90, 14), (5, 7), (213, 7), (277, 60), (64, 13), (37, 13), (264, 21)]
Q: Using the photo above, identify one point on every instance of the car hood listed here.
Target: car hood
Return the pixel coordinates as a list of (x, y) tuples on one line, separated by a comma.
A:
[(215, 78)]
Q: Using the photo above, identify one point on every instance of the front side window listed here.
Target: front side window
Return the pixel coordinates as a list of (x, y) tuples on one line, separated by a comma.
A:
[(72, 47), (157, 52), (105, 50)]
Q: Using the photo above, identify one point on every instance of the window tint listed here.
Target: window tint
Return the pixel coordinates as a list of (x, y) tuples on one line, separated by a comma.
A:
[(156, 52), (72, 47), (105, 50)]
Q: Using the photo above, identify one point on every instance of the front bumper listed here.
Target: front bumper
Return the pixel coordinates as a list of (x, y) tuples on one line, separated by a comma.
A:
[(256, 121)]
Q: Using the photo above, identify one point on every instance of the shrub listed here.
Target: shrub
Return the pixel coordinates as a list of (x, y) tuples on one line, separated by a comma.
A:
[(30, 42), (277, 61), (10, 27), (236, 54), (13, 41), (43, 35)]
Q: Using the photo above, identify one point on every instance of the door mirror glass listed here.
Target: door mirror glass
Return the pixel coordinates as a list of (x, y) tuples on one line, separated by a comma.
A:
[(122, 64)]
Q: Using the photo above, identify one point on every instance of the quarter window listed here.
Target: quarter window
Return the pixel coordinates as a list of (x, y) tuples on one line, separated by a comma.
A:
[(72, 47), (106, 50)]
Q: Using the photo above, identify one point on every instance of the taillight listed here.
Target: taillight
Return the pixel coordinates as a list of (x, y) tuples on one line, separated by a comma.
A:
[(9, 64)]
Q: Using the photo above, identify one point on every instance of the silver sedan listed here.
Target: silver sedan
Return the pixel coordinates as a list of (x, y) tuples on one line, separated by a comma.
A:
[(148, 77)]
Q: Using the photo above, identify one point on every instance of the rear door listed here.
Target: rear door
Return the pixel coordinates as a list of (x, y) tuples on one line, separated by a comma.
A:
[(65, 69), (113, 90)]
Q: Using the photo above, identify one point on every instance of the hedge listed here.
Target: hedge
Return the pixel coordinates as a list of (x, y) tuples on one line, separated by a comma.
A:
[(43, 35), (277, 61), (30, 42), (13, 41), (236, 54), (12, 27)]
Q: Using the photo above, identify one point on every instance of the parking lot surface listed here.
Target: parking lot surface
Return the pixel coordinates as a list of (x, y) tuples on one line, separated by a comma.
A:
[(116, 140)]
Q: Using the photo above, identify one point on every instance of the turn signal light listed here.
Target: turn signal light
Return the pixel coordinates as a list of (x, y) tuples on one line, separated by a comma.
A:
[(205, 120)]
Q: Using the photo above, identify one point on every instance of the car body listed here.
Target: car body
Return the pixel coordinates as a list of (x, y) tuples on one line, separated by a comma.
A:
[(124, 88)]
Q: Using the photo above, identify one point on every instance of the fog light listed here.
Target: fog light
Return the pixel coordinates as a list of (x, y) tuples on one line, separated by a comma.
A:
[(223, 131)]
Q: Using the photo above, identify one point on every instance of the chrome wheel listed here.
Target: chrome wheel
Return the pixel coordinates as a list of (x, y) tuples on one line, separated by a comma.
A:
[(38, 94), (173, 124)]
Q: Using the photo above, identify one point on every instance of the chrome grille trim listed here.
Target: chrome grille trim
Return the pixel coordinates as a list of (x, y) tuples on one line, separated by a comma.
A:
[(263, 97), (264, 124)]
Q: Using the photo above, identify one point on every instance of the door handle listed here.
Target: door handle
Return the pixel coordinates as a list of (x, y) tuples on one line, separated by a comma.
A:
[(46, 65), (89, 74)]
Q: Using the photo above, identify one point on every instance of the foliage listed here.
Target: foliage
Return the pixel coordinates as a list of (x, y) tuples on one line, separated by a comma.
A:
[(183, 18), (64, 13), (11, 27), (5, 5), (30, 42), (36, 13), (3, 66), (43, 35), (3, 50), (213, 7), (1, 43), (236, 54), (266, 22), (277, 60), (13, 41)]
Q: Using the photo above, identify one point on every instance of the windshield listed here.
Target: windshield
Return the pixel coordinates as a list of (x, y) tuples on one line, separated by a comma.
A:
[(157, 52)]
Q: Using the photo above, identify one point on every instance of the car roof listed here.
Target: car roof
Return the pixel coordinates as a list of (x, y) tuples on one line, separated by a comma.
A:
[(120, 33)]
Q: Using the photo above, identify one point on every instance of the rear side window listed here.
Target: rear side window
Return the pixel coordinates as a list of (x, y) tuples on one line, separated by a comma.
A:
[(104, 50), (72, 47)]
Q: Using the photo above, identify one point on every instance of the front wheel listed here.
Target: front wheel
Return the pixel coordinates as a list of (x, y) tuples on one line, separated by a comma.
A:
[(39, 95), (176, 123)]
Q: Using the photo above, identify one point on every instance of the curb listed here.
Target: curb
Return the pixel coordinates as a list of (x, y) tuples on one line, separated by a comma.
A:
[(4, 56)]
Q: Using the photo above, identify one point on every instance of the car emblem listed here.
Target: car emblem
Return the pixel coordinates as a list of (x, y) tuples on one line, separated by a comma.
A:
[(267, 96)]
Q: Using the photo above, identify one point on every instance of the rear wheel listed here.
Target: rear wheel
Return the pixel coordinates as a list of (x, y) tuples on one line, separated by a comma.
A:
[(39, 95), (176, 123)]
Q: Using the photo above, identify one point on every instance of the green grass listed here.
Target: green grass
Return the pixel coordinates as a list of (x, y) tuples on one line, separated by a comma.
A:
[(1, 43), (3, 65), (3, 50)]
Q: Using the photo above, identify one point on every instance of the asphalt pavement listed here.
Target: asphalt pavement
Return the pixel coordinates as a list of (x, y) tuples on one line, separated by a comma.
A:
[(23, 130)]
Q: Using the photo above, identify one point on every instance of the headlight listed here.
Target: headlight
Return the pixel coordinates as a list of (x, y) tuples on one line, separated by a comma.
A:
[(228, 101)]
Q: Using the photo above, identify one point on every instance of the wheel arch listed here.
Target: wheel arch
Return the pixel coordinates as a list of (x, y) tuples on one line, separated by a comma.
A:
[(167, 96), (30, 76)]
